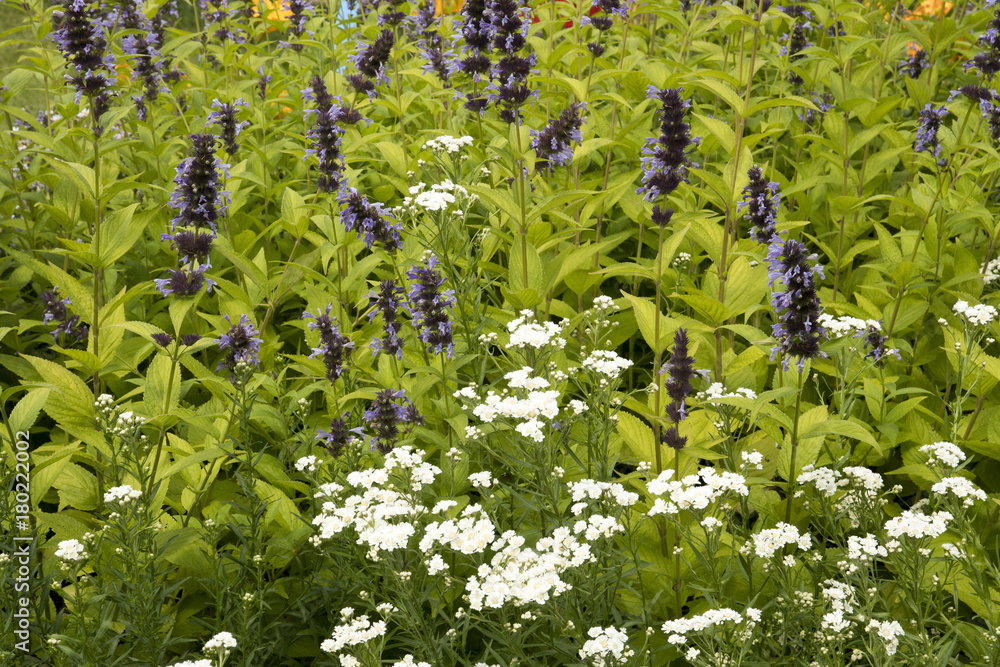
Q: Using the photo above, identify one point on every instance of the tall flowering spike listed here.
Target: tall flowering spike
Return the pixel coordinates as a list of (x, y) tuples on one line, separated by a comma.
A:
[(386, 416), (55, 311), (190, 245), (373, 220), (225, 116), (217, 20), (392, 16), (474, 27), (761, 200), (927, 133), (680, 371), (332, 344), (371, 62), (665, 162), (297, 20), (326, 135), (146, 60), (185, 281), (824, 103), (915, 65), (875, 344), (987, 61), (796, 43), (432, 44), (798, 307), (339, 436), (241, 343), (602, 21), (81, 40), (554, 143), (318, 95), (197, 199), (428, 306), (509, 21), (388, 301)]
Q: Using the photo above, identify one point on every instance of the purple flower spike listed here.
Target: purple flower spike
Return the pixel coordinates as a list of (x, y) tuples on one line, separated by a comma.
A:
[(388, 301), (81, 40), (875, 344), (798, 307), (332, 344), (197, 199), (761, 200), (242, 343), (428, 307), (553, 144), (184, 282), (386, 416), (927, 133), (680, 371), (55, 310), (373, 220), (225, 116), (666, 163), (339, 436)]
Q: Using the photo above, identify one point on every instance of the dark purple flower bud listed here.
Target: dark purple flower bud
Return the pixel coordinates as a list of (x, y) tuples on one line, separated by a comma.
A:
[(474, 27), (987, 61), (225, 116), (432, 44), (875, 344), (217, 17), (680, 371), (326, 135), (665, 163), (317, 95), (387, 301), (385, 416), (371, 60), (184, 282), (190, 339), (190, 244), (798, 307), (197, 197), (428, 307), (242, 343), (163, 339), (796, 43), (824, 102), (166, 15), (927, 139), (55, 310), (915, 65), (761, 200), (332, 344), (297, 20), (373, 220), (553, 144), (262, 83), (339, 436), (596, 49), (509, 21)]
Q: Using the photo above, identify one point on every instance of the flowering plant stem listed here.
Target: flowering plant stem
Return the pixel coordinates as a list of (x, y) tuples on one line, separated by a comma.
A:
[(790, 491), (99, 268)]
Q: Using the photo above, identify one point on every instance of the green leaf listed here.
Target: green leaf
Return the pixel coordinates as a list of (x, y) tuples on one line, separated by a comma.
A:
[(162, 394), (516, 273), (646, 315), (24, 414), (843, 428), (118, 234)]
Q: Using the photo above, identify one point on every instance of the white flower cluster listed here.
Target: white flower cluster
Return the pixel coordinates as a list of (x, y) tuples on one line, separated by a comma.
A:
[(718, 390), (523, 379), (841, 597), (471, 534), (594, 490), (128, 424), (358, 631), (770, 541), (889, 632), (694, 491), (991, 271), (605, 303), (918, 525), (481, 480), (677, 630), (204, 662), (71, 550), (607, 363), (945, 452), (861, 484), (307, 463), (753, 458), (525, 332), (962, 488), (408, 661), (606, 647), (598, 526), (528, 410), (448, 144), (578, 407), (860, 551), (372, 512), (523, 576), (438, 198), (838, 327), (978, 315), (681, 260), (121, 494), (221, 642)]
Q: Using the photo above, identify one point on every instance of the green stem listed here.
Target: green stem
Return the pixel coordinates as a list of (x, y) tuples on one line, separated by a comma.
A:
[(790, 492)]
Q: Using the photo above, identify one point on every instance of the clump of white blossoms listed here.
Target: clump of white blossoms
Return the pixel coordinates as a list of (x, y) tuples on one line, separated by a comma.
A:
[(677, 630), (71, 550), (605, 303), (962, 488), (408, 661), (918, 525), (470, 534), (946, 453), (606, 363), (380, 514), (991, 271), (861, 488), (481, 480), (594, 490), (524, 575), (525, 332), (861, 551), (356, 631), (978, 315), (307, 463), (448, 144), (121, 494), (128, 424), (606, 647), (693, 492), (718, 390), (770, 541), (889, 632), (527, 412), (222, 642), (838, 327), (841, 598), (204, 662)]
